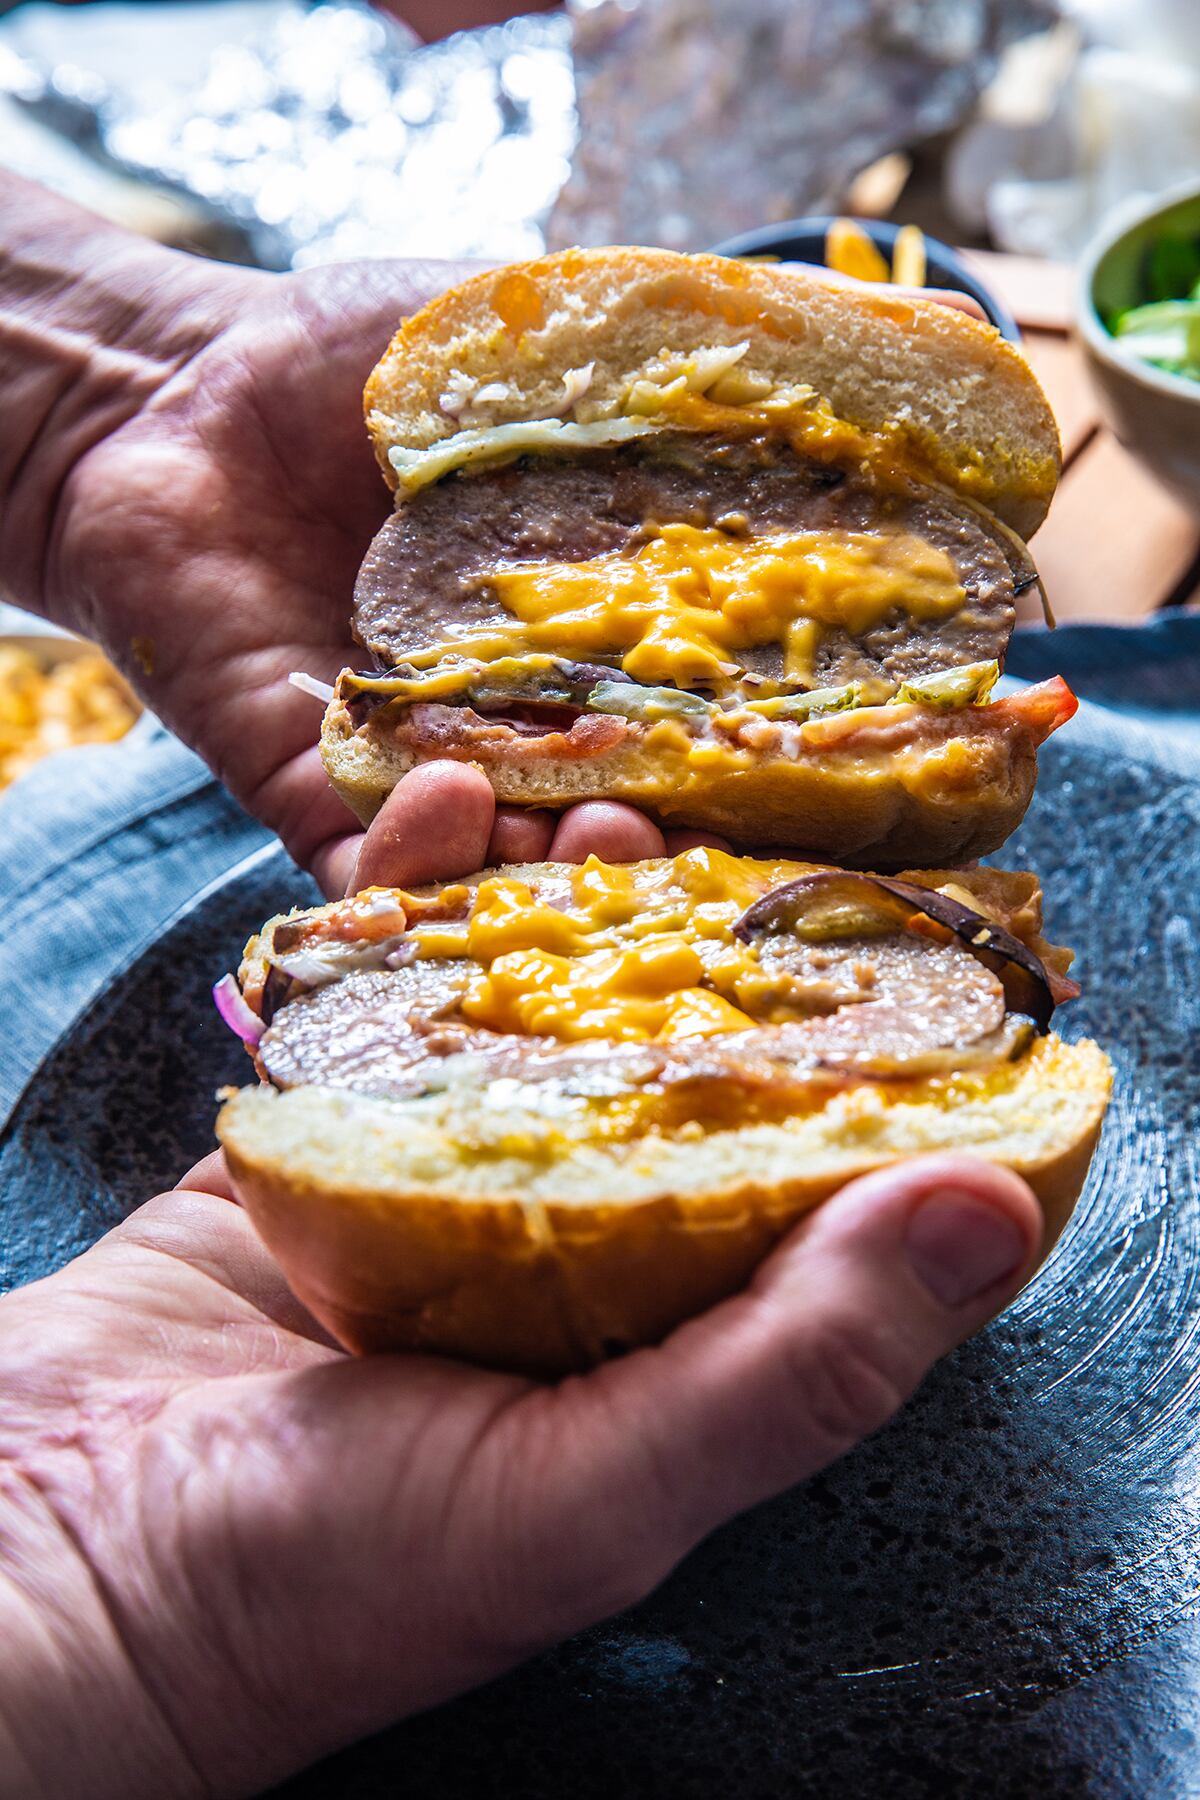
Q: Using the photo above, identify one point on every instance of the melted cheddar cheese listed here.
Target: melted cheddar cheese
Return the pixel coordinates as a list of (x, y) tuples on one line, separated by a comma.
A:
[(650, 990), (688, 602), (630, 959)]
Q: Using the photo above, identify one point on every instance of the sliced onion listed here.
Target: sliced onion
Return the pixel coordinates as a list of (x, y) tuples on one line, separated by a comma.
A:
[(310, 968), (835, 901), (576, 383), (332, 961), (239, 1017)]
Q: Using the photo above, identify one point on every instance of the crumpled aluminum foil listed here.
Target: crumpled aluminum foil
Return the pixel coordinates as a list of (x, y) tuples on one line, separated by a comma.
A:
[(325, 131), (320, 132), (700, 119)]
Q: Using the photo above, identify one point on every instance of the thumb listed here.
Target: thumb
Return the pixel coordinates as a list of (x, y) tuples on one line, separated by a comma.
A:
[(834, 1333)]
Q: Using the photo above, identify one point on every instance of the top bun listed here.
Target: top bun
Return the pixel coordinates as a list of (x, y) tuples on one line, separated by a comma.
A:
[(962, 406)]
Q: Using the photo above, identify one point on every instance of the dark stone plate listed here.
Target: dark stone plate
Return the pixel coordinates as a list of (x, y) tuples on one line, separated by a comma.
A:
[(998, 1595)]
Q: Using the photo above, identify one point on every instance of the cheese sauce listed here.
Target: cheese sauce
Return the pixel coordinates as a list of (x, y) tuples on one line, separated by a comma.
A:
[(685, 606), (629, 958)]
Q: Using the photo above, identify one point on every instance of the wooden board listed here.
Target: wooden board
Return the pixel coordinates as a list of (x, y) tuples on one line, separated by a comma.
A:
[(1116, 546), (1061, 370), (1040, 295)]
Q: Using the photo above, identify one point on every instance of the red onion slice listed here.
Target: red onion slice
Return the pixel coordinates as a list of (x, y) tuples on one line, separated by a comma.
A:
[(240, 1018)]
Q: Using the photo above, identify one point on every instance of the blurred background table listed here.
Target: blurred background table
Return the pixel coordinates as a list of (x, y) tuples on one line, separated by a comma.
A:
[(1116, 548)]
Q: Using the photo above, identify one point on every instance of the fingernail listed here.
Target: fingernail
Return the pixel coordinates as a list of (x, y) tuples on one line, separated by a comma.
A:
[(959, 1246)]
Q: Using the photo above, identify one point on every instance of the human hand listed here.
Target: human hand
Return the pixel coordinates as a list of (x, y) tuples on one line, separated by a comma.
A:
[(226, 1547), (212, 561), (210, 539), (185, 477)]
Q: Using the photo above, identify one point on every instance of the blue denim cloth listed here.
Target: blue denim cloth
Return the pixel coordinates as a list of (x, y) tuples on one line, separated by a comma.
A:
[(100, 848), (1149, 672)]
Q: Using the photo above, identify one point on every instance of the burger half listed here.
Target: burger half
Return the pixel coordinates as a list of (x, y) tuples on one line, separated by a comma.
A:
[(718, 539), (543, 1115)]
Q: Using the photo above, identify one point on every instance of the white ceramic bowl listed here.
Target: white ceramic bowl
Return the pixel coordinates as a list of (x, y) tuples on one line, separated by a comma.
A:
[(1154, 414)]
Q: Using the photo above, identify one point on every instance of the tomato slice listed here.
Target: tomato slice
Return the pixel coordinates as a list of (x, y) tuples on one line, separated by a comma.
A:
[(1041, 708)]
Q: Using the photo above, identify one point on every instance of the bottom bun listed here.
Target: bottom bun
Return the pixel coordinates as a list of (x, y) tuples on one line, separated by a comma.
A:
[(904, 791), (493, 1229)]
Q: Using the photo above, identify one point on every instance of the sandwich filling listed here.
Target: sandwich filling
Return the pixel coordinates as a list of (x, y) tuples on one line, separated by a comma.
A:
[(705, 988), (735, 584), (735, 571)]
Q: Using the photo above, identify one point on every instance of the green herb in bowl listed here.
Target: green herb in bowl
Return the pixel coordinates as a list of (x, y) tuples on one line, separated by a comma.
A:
[(1138, 319), (1165, 328)]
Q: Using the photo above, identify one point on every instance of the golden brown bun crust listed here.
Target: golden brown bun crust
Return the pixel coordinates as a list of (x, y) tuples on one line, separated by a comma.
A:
[(960, 797), (398, 1234), (976, 418)]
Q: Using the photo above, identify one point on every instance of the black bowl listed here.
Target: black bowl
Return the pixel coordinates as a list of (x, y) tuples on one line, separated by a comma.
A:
[(803, 240)]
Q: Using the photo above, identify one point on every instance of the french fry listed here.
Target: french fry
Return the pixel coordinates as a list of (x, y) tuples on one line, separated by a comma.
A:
[(81, 700), (908, 257), (849, 251)]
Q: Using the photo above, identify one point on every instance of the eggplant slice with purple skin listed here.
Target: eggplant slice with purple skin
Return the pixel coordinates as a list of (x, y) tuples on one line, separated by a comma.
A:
[(836, 902)]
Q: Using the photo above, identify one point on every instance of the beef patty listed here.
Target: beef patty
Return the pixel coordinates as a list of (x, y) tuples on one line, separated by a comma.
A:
[(423, 581), (900, 1004)]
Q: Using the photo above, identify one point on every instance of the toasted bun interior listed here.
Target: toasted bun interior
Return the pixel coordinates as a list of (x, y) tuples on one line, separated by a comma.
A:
[(565, 338), (483, 1228)]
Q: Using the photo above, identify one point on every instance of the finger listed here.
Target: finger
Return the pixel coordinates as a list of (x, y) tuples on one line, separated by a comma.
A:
[(333, 864), (519, 836), (209, 1176), (606, 829), (952, 297), (836, 1330), (841, 1323), (313, 820), (676, 842), (435, 824)]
